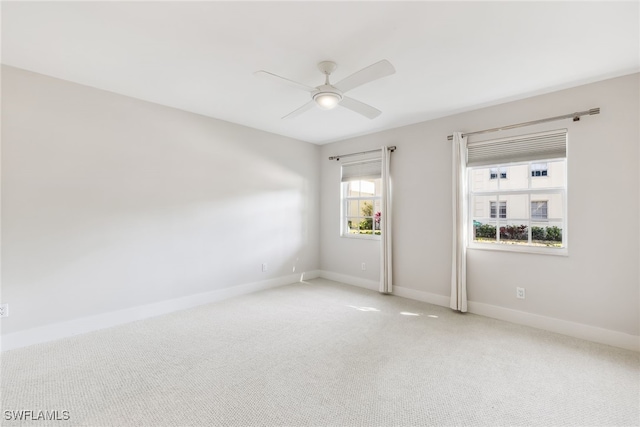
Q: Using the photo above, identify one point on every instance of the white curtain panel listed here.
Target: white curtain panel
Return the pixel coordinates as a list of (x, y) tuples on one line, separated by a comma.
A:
[(460, 214), (386, 270)]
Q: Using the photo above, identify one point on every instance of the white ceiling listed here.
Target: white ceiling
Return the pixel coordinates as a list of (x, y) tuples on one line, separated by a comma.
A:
[(200, 56)]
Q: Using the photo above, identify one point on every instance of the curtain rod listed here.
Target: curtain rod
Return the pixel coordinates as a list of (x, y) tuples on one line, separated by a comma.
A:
[(392, 148), (574, 116)]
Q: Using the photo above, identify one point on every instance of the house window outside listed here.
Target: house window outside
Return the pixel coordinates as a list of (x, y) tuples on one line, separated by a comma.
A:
[(494, 172), (539, 210), (502, 209), (539, 169), (536, 218)]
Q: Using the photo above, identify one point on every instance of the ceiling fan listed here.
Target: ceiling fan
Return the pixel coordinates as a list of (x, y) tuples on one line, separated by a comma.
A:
[(328, 96)]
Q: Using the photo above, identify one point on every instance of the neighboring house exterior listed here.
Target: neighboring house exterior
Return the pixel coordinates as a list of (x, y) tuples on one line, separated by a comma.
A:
[(517, 207)]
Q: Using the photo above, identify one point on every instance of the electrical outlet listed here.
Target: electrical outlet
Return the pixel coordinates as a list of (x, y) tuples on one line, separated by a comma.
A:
[(364, 266), (4, 310), (264, 267), (520, 293)]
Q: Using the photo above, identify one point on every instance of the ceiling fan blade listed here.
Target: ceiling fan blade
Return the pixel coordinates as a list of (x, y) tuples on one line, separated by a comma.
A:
[(276, 77), (372, 72), (309, 105), (360, 107)]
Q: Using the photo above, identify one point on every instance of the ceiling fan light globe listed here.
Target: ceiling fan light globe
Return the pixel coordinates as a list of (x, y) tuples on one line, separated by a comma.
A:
[(327, 100)]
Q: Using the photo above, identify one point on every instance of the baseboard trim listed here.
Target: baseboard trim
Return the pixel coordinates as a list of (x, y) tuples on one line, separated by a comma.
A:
[(83, 325), (101, 321), (372, 285), (434, 299), (375, 286), (308, 275), (564, 327)]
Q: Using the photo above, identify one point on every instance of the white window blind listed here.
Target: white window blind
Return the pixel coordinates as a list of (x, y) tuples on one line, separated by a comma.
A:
[(367, 169), (537, 146)]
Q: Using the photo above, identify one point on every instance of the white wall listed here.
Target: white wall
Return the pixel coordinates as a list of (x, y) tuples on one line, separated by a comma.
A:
[(109, 202), (596, 285)]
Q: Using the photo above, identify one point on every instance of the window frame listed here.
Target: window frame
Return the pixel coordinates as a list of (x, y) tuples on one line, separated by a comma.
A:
[(344, 219), (345, 199), (531, 192)]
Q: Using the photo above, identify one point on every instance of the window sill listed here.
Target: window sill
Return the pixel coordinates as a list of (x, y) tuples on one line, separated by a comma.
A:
[(539, 250), (361, 236)]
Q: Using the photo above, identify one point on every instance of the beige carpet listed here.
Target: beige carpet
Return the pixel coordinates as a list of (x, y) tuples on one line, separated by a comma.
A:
[(322, 354)]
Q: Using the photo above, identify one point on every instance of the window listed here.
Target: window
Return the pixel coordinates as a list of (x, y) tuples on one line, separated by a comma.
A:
[(361, 194), (536, 218), (539, 169), (503, 209), (493, 173), (539, 209)]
